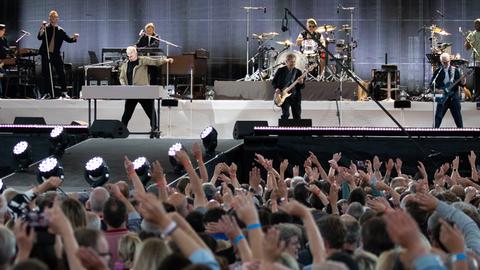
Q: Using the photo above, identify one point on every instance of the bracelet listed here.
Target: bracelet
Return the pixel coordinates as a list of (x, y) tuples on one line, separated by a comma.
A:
[(170, 229), (237, 239), (254, 226), (458, 257)]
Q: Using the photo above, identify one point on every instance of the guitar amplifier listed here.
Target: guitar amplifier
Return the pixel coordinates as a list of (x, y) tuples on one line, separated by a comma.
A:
[(98, 75)]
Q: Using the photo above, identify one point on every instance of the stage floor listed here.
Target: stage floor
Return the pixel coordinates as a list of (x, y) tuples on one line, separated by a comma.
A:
[(191, 117)]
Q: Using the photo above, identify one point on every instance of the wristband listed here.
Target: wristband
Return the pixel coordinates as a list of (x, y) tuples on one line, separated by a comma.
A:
[(254, 226), (458, 257), (170, 229), (237, 239)]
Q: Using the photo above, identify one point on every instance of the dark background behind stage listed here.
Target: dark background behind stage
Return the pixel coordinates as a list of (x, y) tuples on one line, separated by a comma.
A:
[(381, 26)]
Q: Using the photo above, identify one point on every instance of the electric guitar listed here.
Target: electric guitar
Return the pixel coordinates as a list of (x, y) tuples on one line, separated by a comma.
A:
[(279, 98), (447, 90)]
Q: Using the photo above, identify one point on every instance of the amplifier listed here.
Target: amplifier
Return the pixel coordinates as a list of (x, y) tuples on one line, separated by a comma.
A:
[(98, 75)]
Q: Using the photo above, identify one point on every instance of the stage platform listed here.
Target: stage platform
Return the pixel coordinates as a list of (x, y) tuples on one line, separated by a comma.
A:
[(191, 117)]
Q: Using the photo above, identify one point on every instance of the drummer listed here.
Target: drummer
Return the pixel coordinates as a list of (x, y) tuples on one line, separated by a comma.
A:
[(473, 41), (312, 33)]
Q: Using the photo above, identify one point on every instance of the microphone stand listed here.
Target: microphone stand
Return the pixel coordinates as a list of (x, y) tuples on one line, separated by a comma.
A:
[(48, 59), (247, 59), (168, 43), (434, 86)]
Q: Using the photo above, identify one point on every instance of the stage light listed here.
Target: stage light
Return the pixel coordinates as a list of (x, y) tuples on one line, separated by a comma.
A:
[(177, 167), (58, 141), (22, 154), (49, 167), (209, 138), (96, 172), (142, 168)]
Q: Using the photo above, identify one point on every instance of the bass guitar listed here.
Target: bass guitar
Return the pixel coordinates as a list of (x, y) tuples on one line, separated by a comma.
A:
[(279, 98)]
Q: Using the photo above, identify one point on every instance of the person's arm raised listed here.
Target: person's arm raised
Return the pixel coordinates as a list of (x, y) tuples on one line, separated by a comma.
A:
[(472, 159), (200, 199), (197, 153), (315, 240), (158, 176), (316, 162), (247, 213), (132, 176)]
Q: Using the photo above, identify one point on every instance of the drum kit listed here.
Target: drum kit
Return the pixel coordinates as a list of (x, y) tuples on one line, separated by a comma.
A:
[(271, 54), (437, 48)]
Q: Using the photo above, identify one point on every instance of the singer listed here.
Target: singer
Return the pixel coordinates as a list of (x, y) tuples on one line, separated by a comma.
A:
[(150, 39), (134, 72), (445, 76), (56, 36)]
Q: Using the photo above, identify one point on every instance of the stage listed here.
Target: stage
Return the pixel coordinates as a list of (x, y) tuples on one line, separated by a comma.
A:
[(190, 117)]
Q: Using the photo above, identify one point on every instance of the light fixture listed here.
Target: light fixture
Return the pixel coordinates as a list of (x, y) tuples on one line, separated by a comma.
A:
[(58, 141), (209, 138), (22, 154), (49, 167), (142, 168), (177, 167), (96, 172)]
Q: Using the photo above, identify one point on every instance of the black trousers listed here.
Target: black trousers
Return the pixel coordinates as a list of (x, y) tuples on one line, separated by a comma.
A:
[(57, 64), (148, 106), (453, 104), (295, 104), (154, 72)]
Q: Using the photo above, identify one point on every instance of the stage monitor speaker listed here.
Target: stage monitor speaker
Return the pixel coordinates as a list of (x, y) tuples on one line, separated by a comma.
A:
[(402, 104), (245, 128), (294, 122), (108, 129), (99, 75), (29, 121)]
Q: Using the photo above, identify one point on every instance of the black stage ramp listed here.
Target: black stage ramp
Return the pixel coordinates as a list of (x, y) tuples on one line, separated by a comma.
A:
[(113, 151)]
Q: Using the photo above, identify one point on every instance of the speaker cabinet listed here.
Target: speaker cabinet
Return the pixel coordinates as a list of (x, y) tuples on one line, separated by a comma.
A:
[(108, 129), (245, 128)]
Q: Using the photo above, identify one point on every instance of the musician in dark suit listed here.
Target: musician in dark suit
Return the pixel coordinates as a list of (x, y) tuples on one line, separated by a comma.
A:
[(445, 76), (150, 39), (56, 36), (283, 78)]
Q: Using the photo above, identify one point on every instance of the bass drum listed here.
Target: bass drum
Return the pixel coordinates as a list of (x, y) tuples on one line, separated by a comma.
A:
[(300, 63)]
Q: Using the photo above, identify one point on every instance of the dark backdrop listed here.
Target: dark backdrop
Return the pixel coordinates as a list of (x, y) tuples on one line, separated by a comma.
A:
[(381, 27)]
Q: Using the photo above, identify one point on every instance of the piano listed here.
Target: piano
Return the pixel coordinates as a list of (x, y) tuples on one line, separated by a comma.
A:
[(114, 54), (94, 92)]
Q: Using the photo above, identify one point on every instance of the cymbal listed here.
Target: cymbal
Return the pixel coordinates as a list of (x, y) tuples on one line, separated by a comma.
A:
[(443, 33), (345, 28), (443, 46), (285, 43), (265, 36), (326, 28)]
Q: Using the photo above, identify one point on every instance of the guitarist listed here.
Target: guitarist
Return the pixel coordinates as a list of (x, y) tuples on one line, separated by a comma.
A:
[(444, 77), (283, 78)]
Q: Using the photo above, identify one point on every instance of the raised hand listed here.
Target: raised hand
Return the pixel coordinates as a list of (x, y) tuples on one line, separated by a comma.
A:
[(451, 238), (232, 170), (245, 209), (152, 210), (422, 170), (273, 246), (398, 165), (455, 163), (404, 231), (390, 164), (295, 208), (260, 159), (337, 156), (296, 170), (376, 163), (283, 166), (58, 223), (426, 201), (197, 152), (129, 168), (472, 158), (313, 157), (254, 177)]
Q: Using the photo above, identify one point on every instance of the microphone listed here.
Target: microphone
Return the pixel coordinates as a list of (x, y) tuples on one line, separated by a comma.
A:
[(25, 32), (44, 22), (285, 22), (264, 10), (142, 32), (338, 9), (440, 13)]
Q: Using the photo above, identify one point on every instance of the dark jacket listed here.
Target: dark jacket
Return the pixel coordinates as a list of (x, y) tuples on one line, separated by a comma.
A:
[(3, 48), (279, 82), (144, 42), (60, 36), (439, 80)]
